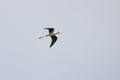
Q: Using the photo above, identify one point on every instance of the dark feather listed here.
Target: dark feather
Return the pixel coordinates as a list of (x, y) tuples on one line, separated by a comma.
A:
[(54, 38), (50, 29)]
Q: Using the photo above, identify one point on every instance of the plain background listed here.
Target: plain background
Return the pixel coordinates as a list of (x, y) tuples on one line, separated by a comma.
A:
[(87, 49)]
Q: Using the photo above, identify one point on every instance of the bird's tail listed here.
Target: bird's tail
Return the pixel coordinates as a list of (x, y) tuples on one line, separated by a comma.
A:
[(42, 37)]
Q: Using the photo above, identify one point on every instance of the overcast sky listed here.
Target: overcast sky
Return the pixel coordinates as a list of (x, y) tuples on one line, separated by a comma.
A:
[(87, 49)]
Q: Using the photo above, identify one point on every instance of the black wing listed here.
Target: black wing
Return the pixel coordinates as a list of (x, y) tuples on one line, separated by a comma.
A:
[(54, 38), (50, 29)]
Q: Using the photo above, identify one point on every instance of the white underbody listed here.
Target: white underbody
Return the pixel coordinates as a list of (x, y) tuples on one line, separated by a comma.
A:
[(50, 34)]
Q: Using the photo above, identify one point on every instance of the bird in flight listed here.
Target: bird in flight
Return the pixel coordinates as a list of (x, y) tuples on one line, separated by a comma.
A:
[(52, 34)]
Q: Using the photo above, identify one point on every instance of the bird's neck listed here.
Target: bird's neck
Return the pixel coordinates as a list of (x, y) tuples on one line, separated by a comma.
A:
[(56, 33)]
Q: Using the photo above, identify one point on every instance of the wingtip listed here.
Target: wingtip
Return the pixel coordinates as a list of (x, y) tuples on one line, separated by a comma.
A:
[(50, 46), (49, 28), (39, 37)]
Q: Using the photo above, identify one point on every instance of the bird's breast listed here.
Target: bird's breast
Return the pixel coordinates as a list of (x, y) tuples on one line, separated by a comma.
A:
[(51, 34)]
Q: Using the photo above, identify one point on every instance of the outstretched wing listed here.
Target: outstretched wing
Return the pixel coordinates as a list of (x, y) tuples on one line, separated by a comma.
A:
[(54, 38), (50, 29)]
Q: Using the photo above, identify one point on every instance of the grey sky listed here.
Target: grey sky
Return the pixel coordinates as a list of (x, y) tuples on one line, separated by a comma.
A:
[(88, 49)]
